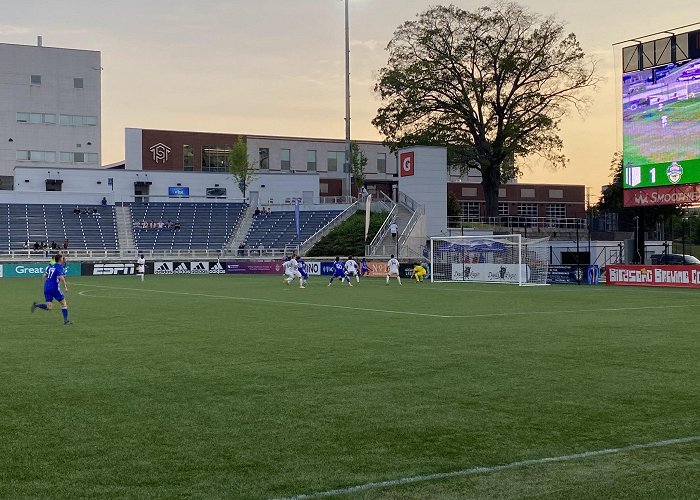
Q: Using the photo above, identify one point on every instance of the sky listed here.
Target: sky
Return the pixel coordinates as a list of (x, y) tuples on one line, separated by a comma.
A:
[(276, 67)]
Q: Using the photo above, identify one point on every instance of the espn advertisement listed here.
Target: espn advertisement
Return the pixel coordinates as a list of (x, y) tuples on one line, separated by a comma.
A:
[(499, 273), (652, 275)]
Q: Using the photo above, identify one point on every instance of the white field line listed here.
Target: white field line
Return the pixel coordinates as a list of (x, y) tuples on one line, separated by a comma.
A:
[(487, 470), (390, 311)]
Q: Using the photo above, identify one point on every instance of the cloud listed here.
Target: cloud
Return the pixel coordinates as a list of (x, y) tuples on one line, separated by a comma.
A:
[(8, 29), (370, 45)]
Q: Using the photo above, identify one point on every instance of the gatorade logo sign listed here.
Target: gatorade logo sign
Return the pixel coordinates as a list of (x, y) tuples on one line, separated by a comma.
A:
[(407, 160)]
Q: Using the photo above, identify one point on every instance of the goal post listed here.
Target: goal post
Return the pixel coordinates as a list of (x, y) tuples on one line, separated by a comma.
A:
[(508, 258)]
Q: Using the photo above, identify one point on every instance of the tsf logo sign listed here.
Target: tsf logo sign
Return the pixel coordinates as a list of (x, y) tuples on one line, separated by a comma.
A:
[(407, 161)]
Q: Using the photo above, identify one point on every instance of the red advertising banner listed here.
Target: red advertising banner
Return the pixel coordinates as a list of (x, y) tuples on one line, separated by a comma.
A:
[(662, 195), (672, 276)]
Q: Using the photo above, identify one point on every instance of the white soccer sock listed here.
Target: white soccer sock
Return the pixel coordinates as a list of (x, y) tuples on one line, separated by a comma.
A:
[(399, 278), (387, 280)]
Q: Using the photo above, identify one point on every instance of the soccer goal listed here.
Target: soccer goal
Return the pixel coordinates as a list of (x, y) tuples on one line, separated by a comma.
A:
[(506, 258)]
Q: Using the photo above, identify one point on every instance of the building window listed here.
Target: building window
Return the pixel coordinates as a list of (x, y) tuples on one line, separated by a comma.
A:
[(45, 156), (187, 158), (527, 209), (556, 211), (285, 159), (471, 210), (77, 83), (216, 158), (335, 159), (23, 117), (78, 157), (35, 80), (77, 120), (381, 163), (527, 193), (503, 209), (311, 160), (264, 158)]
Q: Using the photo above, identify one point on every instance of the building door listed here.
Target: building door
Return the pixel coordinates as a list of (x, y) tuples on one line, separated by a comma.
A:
[(254, 197), (307, 197), (141, 192)]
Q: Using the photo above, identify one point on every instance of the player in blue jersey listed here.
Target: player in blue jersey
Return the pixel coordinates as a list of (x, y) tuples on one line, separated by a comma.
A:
[(54, 277), (302, 271), (339, 272), (364, 268)]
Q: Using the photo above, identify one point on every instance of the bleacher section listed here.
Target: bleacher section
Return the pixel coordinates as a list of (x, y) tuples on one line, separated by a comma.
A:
[(201, 225), (20, 223), (278, 229)]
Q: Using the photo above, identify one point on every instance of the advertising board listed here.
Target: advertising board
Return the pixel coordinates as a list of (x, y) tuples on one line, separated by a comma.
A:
[(651, 275), (501, 273), (254, 267), (108, 269), (36, 269)]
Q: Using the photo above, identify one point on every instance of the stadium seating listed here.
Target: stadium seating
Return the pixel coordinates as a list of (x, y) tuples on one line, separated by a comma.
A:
[(31, 223), (278, 229), (201, 225)]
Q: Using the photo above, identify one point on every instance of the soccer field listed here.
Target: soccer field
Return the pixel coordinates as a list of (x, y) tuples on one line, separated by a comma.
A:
[(242, 387)]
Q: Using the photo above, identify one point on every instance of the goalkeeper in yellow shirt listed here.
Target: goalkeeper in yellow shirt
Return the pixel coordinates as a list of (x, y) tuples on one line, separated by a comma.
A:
[(419, 272)]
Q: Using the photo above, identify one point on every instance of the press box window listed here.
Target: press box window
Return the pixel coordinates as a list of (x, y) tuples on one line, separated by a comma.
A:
[(381, 163), (187, 158), (264, 158), (285, 159), (311, 160), (35, 80), (77, 83)]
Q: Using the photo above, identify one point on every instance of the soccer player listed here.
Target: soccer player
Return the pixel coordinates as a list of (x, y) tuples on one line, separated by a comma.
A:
[(141, 266), (364, 268), (53, 277), (339, 272), (419, 272), (351, 269), (302, 271), (392, 269), (291, 270)]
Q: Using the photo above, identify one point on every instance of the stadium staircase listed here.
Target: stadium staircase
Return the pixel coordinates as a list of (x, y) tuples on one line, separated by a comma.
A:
[(408, 215), (122, 215), (239, 235)]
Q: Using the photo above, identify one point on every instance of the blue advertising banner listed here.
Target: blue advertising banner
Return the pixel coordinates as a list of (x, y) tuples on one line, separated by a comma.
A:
[(557, 275), (36, 269), (327, 268), (179, 192)]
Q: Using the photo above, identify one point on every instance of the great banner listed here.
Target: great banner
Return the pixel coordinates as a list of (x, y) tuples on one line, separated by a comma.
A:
[(671, 276)]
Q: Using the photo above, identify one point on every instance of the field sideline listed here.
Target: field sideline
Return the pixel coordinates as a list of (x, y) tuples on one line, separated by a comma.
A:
[(242, 387)]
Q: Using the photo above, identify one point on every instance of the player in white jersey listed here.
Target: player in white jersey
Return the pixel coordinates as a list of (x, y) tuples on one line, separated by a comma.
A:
[(351, 269), (141, 266), (392, 269), (291, 270)]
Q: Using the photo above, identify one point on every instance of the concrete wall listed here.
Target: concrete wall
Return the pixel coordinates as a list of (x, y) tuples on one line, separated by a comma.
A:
[(427, 184), (55, 95), (281, 188)]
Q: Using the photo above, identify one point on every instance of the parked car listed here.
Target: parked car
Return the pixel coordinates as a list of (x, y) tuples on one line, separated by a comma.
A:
[(674, 259)]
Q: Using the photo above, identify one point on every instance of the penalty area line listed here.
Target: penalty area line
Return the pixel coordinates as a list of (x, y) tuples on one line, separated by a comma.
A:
[(273, 301), (487, 470)]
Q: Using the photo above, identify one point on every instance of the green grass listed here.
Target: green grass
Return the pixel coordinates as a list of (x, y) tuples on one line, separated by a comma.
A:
[(241, 387)]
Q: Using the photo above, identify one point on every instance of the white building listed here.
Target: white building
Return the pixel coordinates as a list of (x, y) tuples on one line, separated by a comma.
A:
[(50, 106)]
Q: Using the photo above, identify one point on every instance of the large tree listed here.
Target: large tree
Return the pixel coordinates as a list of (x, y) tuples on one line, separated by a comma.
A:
[(358, 162), (492, 85), (241, 166)]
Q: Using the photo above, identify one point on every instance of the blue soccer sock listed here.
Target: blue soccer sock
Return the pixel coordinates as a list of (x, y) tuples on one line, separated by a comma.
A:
[(42, 306), (64, 310)]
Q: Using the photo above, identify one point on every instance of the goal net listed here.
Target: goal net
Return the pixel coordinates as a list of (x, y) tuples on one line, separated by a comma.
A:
[(506, 258)]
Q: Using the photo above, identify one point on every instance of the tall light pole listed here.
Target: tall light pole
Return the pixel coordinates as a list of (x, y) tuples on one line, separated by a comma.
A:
[(346, 163)]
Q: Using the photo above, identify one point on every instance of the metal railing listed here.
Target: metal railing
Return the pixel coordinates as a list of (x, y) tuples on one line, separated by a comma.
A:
[(519, 222), (408, 202), (419, 211), (371, 249)]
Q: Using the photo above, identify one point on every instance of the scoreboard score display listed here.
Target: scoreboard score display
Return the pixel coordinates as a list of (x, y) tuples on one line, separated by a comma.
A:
[(661, 132)]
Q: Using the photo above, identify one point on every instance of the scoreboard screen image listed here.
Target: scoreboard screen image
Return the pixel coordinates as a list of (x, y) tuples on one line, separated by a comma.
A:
[(661, 126)]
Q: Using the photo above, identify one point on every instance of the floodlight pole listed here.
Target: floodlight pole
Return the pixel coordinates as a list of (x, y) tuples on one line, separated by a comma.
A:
[(346, 163)]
